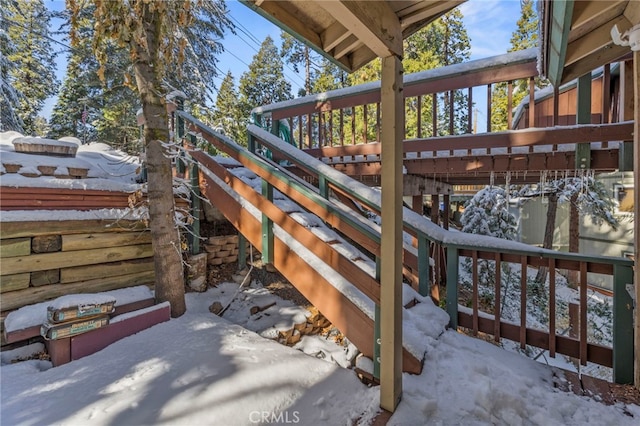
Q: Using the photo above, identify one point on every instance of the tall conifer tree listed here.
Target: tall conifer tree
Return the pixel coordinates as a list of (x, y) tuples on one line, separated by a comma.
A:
[(33, 73), (264, 83)]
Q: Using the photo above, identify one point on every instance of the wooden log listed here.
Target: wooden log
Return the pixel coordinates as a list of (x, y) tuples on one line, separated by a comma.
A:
[(78, 172), (15, 247), (17, 299), (46, 243), (65, 259), (40, 278), (111, 269), (97, 240), (197, 272), (35, 228), (14, 282)]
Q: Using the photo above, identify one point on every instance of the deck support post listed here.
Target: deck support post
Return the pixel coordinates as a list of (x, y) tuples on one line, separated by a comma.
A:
[(622, 325), (583, 116), (636, 208), (195, 201), (267, 226), (391, 245)]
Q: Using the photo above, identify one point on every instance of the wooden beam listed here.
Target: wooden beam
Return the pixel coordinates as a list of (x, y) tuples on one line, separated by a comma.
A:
[(588, 15), (346, 46), (373, 22), (599, 38), (604, 55), (430, 13), (632, 12), (414, 185), (391, 244), (333, 35), (636, 208), (559, 28)]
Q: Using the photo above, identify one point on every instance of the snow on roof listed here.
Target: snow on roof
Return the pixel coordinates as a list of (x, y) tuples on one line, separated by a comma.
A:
[(107, 168)]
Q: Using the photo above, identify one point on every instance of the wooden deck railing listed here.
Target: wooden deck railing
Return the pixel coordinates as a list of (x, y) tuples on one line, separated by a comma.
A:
[(352, 115), (343, 126), (459, 245)]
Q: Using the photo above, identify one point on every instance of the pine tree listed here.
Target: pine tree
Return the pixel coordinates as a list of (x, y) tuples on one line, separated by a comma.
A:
[(81, 86), (226, 116), (524, 37), (487, 213), (153, 34), (33, 75), (264, 83), (9, 96)]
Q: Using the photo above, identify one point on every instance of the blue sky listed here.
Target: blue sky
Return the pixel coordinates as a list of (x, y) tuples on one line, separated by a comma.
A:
[(489, 24)]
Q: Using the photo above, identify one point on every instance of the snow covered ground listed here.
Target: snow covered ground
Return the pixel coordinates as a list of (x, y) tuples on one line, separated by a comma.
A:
[(201, 369)]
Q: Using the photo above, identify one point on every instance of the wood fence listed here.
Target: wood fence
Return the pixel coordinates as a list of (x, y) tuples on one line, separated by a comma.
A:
[(45, 260)]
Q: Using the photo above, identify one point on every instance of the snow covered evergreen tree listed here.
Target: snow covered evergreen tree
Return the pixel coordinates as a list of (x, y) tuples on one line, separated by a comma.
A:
[(9, 97), (487, 213), (33, 73)]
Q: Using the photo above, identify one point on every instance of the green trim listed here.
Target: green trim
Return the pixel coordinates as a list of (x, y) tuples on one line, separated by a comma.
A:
[(583, 116), (376, 330), (560, 25), (242, 252), (195, 202), (622, 325), (452, 286), (267, 226), (423, 265)]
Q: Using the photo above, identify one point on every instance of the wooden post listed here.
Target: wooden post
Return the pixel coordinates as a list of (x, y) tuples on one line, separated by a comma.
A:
[(391, 244), (195, 202), (267, 226), (626, 91), (583, 116), (636, 208)]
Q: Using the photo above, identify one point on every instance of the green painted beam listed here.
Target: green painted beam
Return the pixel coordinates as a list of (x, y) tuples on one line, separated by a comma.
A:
[(267, 226), (452, 286), (559, 27), (583, 116), (622, 325)]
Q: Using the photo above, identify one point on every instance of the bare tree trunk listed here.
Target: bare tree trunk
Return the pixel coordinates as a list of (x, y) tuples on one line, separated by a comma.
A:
[(552, 209), (574, 237), (164, 234)]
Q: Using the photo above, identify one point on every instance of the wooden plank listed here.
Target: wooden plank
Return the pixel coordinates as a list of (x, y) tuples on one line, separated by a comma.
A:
[(46, 243), (40, 278), (334, 305), (14, 282), (597, 388), (17, 299), (31, 228), (337, 261), (372, 22), (44, 261), (112, 269), (565, 345), (15, 247), (97, 240)]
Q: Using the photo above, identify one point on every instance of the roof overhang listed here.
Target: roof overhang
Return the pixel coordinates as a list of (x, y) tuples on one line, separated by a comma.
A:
[(576, 35), (351, 33)]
